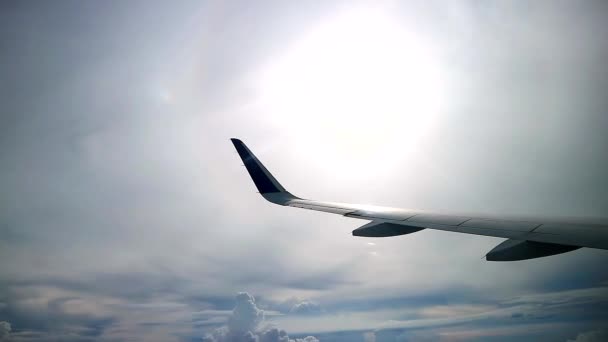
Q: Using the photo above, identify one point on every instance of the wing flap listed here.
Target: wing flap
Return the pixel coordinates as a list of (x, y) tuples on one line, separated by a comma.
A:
[(447, 220), (500, 224), (324, 208), (395, 215), (503, 233)]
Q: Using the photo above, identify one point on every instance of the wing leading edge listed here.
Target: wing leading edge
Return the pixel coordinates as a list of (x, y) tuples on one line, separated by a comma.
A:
[(526, 238)]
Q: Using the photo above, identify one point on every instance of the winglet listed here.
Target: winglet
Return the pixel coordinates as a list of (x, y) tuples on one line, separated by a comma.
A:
[(267, 185)]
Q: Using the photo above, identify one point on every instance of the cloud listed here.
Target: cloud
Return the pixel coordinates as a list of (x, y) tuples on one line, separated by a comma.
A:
[(95, 160), (244, 325), (369, 336), (246, 315), (526, 311), (305, 308), (61, 312), (277, 335), (600, 335), (5, 330)]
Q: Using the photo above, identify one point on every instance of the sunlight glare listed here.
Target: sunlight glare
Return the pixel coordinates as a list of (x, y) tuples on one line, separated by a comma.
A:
[(358, 86)]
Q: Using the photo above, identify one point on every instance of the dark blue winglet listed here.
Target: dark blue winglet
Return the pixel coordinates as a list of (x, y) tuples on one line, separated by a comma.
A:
[(263, 180)]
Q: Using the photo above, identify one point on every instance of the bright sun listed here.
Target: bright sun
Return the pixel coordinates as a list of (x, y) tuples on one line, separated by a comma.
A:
[(357, 86)]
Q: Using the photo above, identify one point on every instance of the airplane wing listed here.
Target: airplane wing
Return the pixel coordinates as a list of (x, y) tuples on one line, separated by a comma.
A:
[(526, 238)]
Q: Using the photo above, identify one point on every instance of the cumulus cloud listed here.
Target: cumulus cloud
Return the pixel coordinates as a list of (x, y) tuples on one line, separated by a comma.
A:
[(244, 326), (592, 336), (246, 315), (5, 330), (279, 335)]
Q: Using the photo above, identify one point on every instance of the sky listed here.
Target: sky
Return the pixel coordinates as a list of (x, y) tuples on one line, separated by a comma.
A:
[(126, 214)]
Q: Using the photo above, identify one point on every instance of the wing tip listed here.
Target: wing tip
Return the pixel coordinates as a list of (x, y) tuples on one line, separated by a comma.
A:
[(262, 178)]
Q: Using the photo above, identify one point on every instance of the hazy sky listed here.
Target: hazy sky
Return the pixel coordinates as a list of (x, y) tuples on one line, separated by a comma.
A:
[(125, 213)]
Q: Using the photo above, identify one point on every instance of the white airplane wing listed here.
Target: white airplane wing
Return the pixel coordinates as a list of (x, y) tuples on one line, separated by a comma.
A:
[(526, 238)]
